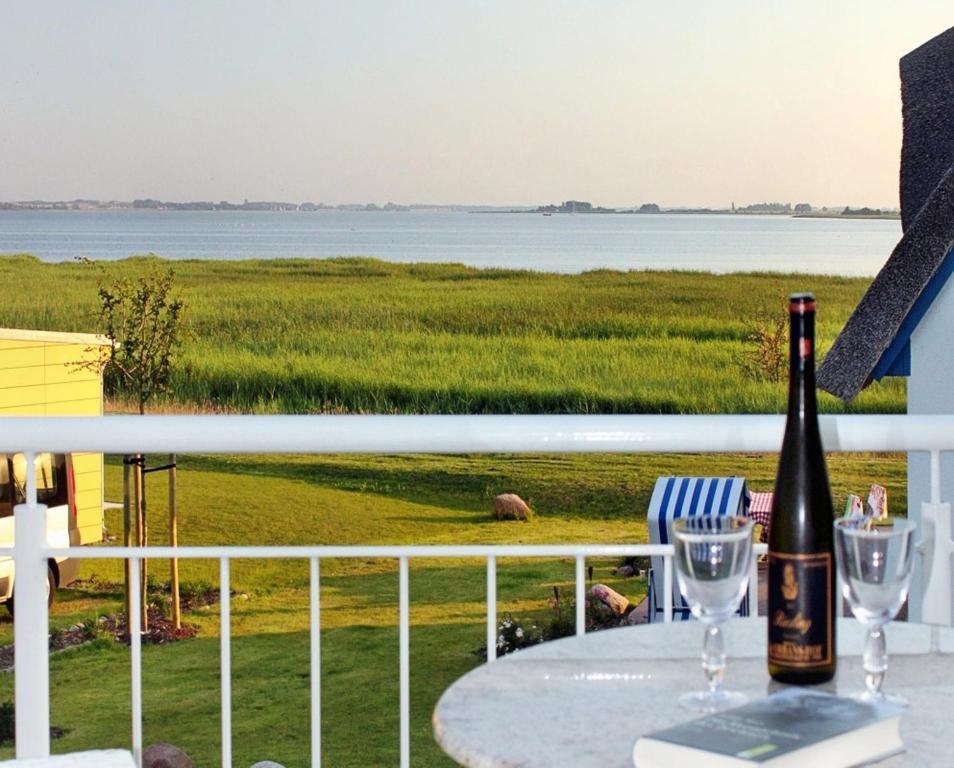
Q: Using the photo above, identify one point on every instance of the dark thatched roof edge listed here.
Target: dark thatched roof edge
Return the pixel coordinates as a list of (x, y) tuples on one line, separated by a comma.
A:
[(927, 96), (875, 323)]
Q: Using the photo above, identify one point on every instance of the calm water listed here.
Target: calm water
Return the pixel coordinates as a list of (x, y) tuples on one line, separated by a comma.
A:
[(558, 243)]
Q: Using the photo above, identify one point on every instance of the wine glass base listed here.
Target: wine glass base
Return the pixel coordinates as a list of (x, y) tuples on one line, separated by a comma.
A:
[(712, 701), (867, 697)]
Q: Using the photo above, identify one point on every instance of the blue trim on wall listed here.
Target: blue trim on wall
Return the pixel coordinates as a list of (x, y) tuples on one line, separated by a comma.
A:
[(901, 365), (896, 360)]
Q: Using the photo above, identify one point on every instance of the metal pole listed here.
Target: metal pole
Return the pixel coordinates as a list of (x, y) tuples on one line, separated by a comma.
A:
[(144, 563), (174, 542), (127, 542), (580, 585), (315, 664), (139, 496), (31, 626), (491, 608), (404, 665), (135, 660), (225, 650)]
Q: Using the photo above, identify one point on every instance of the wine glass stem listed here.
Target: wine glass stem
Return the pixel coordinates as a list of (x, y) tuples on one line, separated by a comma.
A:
[(875, 660), (713, 657)]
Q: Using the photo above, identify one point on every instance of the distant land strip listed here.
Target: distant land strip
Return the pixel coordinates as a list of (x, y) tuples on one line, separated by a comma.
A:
[(569, 206)]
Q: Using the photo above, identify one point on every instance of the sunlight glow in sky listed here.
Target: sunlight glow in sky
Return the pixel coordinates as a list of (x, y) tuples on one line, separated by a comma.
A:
[(523, 102)]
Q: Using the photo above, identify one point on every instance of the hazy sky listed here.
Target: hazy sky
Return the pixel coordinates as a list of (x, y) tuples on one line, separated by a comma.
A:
[(457, 101)]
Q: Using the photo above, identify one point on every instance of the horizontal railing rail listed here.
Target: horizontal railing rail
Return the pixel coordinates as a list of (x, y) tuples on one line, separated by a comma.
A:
[(462, 434), (377, 434)]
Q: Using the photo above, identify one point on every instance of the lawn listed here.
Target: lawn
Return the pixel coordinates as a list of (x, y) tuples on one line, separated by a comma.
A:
[(355, 500)]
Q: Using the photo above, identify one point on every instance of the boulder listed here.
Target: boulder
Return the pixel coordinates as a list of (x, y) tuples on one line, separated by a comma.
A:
[(165, 756), (611, 600), (267, 764), (509, 506)]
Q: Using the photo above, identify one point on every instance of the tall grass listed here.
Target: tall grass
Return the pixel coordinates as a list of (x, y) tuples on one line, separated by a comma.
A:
[(359, 335)]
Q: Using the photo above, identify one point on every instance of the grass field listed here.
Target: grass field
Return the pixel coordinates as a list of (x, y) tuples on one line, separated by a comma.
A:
[(357, 335), (353, 500), (365, 336)]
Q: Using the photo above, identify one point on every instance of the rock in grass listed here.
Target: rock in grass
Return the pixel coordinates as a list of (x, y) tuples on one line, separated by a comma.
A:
[(267, 764), (509, 506), (165, 756), (608, 600)]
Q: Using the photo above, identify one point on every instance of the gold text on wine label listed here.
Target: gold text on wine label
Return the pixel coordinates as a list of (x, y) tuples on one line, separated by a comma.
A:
[(797, 622), (793, 652)]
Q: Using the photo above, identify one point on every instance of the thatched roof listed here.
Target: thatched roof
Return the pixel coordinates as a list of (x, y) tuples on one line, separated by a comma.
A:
[(878, 331)]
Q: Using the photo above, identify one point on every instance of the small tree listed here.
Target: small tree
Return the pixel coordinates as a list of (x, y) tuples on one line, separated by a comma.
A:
[(142, 320)]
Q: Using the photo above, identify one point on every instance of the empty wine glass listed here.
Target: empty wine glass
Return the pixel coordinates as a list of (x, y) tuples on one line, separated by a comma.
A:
[(713, 556), (875, 568)]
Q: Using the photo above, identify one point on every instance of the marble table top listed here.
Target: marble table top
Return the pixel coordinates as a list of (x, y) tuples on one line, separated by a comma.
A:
[(585, 701)]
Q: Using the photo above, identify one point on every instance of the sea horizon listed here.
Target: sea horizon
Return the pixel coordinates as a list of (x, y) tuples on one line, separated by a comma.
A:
[(561, 243)]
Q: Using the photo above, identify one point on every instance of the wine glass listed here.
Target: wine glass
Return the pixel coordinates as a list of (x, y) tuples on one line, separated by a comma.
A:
[(713, 556), (875, 568)]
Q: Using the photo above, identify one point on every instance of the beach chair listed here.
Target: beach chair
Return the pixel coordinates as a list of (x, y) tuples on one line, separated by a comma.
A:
[(675, 497), (760, 510)]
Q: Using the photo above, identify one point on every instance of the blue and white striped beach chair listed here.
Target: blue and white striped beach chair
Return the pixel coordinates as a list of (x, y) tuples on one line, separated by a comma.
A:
[(675, 497)]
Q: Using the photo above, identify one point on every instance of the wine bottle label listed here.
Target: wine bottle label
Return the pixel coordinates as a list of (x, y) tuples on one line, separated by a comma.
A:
[(800, 628)]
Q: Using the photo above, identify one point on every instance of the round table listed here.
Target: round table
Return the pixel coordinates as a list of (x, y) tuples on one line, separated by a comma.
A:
[(583, 701)]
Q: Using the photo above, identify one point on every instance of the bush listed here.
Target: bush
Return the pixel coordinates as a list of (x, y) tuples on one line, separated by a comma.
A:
[(765, 357), (513, 634)]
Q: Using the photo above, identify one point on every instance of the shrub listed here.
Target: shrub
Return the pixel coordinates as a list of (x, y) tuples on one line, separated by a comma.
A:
[(765, 356), (513, 634)]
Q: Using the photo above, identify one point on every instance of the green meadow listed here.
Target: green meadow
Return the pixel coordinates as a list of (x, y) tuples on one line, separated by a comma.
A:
[(356, 335), (365, 336)]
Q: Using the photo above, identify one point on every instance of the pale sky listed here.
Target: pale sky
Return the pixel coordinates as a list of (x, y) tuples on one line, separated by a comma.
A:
[(509, 102)]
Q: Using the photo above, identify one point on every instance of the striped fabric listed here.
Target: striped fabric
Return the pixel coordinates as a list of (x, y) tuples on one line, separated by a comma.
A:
[(675, 497), (760, 510)]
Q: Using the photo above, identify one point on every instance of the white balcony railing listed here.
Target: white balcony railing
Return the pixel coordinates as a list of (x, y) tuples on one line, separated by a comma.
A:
[(372, 434)]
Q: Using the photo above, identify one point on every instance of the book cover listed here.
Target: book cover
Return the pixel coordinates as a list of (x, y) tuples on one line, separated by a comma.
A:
[(783, 729)]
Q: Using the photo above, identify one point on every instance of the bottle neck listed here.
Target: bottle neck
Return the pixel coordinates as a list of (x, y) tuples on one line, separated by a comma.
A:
[(801, 381)]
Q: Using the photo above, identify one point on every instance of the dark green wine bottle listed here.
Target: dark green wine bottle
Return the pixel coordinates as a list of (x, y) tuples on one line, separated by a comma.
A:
[(801, 565)]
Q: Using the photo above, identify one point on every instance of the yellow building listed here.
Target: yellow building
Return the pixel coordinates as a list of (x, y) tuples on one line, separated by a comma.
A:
[(39, 376)]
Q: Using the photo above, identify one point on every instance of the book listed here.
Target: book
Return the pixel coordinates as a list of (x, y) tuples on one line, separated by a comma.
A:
[(789, 729)]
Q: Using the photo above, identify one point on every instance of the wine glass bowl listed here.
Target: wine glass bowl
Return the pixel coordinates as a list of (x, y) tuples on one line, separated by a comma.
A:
[(712, 558), (874, 564)]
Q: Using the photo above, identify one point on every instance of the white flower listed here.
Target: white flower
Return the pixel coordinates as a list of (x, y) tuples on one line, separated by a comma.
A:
[(519, 632), (500, 641)]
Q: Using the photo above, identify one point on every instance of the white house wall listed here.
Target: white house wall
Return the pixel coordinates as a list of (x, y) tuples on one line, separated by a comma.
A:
[(931, 390)]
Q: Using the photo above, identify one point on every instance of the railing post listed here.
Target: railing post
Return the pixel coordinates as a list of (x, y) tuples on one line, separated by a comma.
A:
[(936, 547), (580, 584), (404, 664), (134, 631), (225, 651), (315, 663), (31, 626), (491, 608), (667, 588)]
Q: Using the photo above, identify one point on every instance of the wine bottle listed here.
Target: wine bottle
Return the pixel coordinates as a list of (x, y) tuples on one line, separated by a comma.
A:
[(801, 562)]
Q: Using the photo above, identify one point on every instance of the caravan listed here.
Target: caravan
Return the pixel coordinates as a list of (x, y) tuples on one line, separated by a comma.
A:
[(56, 488)]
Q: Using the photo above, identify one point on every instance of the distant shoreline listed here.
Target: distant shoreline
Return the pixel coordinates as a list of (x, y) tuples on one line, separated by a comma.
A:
[(887, 216), (891, 215), (568, 207)]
